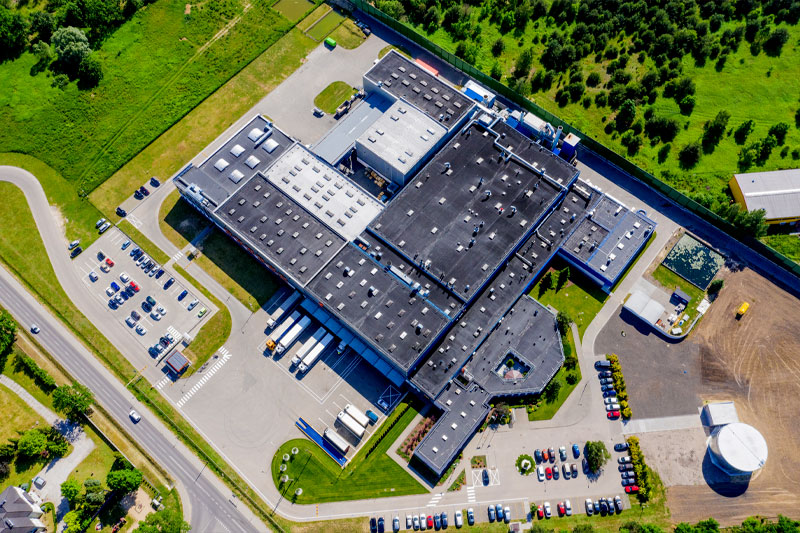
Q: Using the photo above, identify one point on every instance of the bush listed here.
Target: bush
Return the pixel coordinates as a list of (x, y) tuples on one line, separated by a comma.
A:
[(29, 367), (72, 47), (601, 99), (689, 155), (33, 442), (593, 80), (572, 378), (90, 72), (498, 46), (779, 131), (686, 105), (743, 130), (529, 465), (596, 455), (715, 286), (640, 469)]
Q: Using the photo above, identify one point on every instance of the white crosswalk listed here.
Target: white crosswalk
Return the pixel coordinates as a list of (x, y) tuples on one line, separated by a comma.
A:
[(206, 376), (177, 256), (161, 384), (435, 500), (135, 221), (175, 333), (471, 495)]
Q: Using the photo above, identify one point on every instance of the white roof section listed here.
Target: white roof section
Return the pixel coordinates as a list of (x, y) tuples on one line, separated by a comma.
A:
[(644, 307), (741, 446), (323, 191), (777, 192), (721, 413), (402, 136)]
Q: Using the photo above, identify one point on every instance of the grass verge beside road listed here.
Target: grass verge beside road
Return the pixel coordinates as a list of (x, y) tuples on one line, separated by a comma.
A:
[(333, 96), (143, 242), (368, 475), (183, 141), (214, 332)]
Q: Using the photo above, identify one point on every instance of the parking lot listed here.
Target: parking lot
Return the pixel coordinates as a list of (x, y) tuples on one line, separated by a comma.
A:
[(112, 275)]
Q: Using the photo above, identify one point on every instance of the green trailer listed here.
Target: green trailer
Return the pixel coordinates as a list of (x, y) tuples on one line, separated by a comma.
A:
[(330, 43)]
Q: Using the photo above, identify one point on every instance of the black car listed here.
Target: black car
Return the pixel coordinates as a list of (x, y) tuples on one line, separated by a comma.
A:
[(169, 283), (603, 506), (112, 304), (380, 525), (159, 273), (621, 446), (154, 182), (138, 195), (134, 251), (100, 255), (485, 477), (121, 212), (144, 190), (147, 307), (373, 525), (75, 252), (152, 351), (135, 315), (164, 341), (437, 522)]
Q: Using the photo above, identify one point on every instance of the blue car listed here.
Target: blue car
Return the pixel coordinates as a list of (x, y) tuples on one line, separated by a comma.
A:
[(609, 393), (182, 295), (491, 513), (134, 252), (169, 283), (126, 244), (576, 451), (114, 286)]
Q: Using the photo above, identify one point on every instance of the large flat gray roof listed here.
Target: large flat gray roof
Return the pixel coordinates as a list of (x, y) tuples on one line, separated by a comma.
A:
[(342, 137), (467, 185), (403, 78), (279, 230), (338, 202), (384, 310), (535, 154), (255, 147), (777, 192)]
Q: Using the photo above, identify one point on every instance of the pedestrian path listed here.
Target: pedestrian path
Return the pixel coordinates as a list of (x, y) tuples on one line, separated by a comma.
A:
[(435, 500), (206, 376), (471, 494), (163, 383), (666, 423), (177, 256), (176, 334)]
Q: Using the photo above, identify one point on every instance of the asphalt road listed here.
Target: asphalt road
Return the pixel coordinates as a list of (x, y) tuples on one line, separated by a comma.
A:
[(208, 505)]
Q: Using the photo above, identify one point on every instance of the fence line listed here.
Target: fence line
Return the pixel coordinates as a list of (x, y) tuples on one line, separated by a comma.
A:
[(588, 141)]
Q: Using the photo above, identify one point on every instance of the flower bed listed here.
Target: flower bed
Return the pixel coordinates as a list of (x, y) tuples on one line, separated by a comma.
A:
[(406, 450)]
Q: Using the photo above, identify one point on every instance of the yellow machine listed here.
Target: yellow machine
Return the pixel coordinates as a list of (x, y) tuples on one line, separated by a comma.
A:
[(742, 309)]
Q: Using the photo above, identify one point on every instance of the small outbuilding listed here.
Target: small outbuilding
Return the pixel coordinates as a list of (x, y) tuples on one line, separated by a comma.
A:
[(680, 296), (776, 192), (177, 362)]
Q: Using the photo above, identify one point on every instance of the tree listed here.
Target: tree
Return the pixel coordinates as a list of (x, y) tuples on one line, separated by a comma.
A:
[(498, 46), (33, 442), (57, 445), (43, 52), (523, 64), (13, 33), (90, 72), (5, 470), (689, 155), (563, 278), (596, 455), (124, 481), (779, 131), (43, 24), (164, 521), (743, 130), (774, 43), (71, 46), (74, 522), (72, 400), (496, 72), (625, 115), (8, 331), (71, 490), (393, 8), (686, 105), (94, 495), (563, 320), (715, 286), (593, 79), (715, 129), (551, 391)]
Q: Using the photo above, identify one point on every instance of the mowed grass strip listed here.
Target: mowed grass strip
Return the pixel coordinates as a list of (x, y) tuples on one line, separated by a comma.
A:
[(292, 9), (313, 17), (238, 272), (670, 281), (348, 35), (214, 332), (143, 242), (332, 96), (322, 480), (547, 410), (179, 221), (326, 24), (182, 142)]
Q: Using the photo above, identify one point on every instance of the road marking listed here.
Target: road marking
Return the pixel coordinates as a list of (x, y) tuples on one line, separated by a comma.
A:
[(206, 376), (135, 221), (471, 494), (434, 500), (163, 382), (177, 256)]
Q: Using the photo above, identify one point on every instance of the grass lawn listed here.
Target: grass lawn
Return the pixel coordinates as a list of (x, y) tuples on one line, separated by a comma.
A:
[(312, 17), (332, 96), (292, 9), (143, 242), (322, 480), (788, 245), (17, 418), (157, 67), (348, 35), (179, 221), (242, 276), (326, 24), (670, 280), (214, 332), (579, 297), (546, 410), (179, 144)]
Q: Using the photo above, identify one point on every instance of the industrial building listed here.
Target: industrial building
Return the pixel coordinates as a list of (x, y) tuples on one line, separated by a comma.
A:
[(429, 286), (776, 192)]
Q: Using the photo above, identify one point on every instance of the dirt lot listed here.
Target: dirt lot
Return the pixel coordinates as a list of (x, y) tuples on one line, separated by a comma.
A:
[(755, 362)]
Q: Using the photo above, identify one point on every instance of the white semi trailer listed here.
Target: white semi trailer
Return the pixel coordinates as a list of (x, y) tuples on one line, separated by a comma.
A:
[(285, 305), (292, 334), (306, 347), (354, 427), (282, 328), (357, 415), (315, 352), (337, 441)]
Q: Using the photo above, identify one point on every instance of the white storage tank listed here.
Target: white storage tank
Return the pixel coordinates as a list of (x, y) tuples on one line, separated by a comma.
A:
[(738, 449)]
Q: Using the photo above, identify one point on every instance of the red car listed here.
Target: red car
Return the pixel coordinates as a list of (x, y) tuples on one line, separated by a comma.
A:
[(548, 472), (545, 455), (540, 512), (630, 489), (134, 286), (109, 262), (561, 509), (612, 415), (430, 522)]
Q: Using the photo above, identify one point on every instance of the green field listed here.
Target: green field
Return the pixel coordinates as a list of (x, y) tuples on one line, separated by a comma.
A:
[(292, 9), (761, 88), (178, 145), (157, 67), (143, 242), (179, 221), (332, 96), (788, 245), (322, 480), (326, 24), (348, 35), (670, 280)]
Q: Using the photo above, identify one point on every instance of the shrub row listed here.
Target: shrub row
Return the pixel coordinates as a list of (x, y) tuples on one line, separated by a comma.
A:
[(35, 372), (619, 386), (398, 414), (406, 450), (640, 469)]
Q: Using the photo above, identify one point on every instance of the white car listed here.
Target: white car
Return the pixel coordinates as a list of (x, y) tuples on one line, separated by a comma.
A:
[(109, 291), (459, 519), (161, 310), (130, 321), (35, 328), (547, 511), (73, 244), (610, 400), (540, 473), (416, 522), (141, 330), (105, 268), (623, 460), (612, 407), (589, 507), (568, 507), (192, 305), (134, 416), (93, 275), (155, 315), (408, 521), (124, 277)]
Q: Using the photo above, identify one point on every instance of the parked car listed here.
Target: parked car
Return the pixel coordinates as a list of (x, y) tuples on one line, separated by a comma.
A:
[(192, 304), (93, 275), (547, 510), (574, 469), (628, 481), (443, 518), (606, 381), (602, 365), (540, 512), (169, 283), (540, 473), (318, 112), (625, 467), (589, 507), (73, 244), (562, 511), (605, 374), (567, 507), (552, 455), (109, 291), (154, 182), (150, 300), (109, 261), (124, 277), (624, 459), (134, 286), (620, 446), (498, 509), (75, 252), (555, 472), (609, 393), (415, 521), (141, 330), (118, 299), (492, 515), (104, 227), (545, 455), (576, 451), (613, 415), (144, 190), (562, 453), (135, 252), (537, 455), (121, 212), (458, 519), (632, 489), (430, 522), (135, 315), (548, 472), (396, 524), (585, 465), (201, 312), (112, 304), (507, 514), (99, 223), (609, 401), (130, 321), (373, 525), (147, 307), (155, 315), (159, 273), (603, 506), (138, 195), (126, 244), (565, 470), (105, 268), (380, 525), (618, 503), (470, 517), (182, 295), (628, 474), (409, 522)]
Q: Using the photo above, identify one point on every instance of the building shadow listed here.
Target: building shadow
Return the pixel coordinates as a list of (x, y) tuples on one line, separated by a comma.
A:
[(720, 482)]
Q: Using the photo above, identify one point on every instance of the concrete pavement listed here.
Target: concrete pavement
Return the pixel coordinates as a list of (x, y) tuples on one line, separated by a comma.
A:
[(203, 495)]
